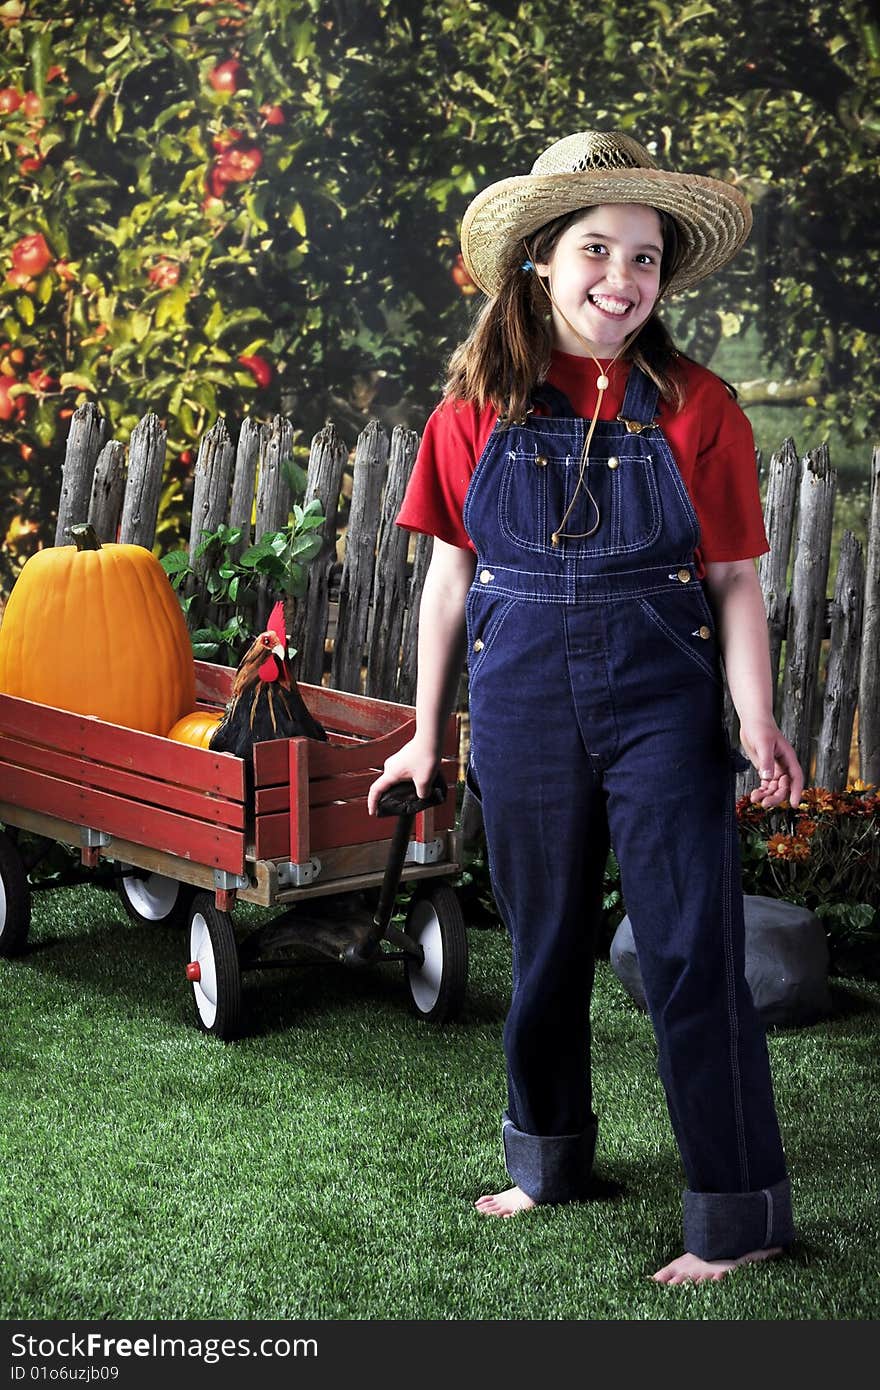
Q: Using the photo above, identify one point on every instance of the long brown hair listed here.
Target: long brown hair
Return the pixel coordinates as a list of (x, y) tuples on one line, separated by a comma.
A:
[(507, 352)]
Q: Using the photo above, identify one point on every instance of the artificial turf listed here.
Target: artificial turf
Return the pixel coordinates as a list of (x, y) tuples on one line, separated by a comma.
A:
[(325, 1166)]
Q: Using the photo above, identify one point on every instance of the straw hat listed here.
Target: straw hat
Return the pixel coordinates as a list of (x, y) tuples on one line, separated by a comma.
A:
[(592, 167)]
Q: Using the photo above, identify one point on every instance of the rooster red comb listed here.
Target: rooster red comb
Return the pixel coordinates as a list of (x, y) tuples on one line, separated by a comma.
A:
[(276, 624), (269, 671)]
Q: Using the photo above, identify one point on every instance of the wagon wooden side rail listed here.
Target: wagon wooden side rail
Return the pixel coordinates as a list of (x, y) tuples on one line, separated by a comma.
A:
[(184, 812)]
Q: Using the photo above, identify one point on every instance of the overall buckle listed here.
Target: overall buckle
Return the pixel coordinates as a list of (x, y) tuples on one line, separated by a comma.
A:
[(636, 426)]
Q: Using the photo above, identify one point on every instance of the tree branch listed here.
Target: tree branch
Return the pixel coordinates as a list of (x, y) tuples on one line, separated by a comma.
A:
[(764, 392)]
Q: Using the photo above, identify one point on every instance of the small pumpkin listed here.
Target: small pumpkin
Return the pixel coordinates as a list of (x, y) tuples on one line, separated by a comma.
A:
[(196, 728), (97, 629)]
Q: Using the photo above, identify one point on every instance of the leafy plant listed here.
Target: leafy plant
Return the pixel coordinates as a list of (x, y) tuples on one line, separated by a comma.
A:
[(228, 586)]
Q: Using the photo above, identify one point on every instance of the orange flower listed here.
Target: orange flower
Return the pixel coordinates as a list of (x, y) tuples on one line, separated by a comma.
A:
[(748, 812), (788, 847), (806, 827)]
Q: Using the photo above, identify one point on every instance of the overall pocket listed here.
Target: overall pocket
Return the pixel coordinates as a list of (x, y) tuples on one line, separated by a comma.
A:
[(685, 620), (484, 614), (537, 489)]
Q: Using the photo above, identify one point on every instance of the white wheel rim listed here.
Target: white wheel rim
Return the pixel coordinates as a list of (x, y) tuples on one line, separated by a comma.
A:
[(152, 897), (2, 906), (205, 988), (425, 979)]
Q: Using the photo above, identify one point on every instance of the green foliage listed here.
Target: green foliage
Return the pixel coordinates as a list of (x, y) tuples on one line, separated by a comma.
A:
[(282, 181), (228, 584)]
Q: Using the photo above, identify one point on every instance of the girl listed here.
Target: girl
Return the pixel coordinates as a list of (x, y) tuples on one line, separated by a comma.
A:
[(594, 502)]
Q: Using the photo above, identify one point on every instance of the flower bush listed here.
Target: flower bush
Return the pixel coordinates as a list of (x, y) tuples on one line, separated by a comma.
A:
[(824, 855)]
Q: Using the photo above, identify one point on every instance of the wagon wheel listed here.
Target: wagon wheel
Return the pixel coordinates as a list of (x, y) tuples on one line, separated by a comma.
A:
[(213, 968), (152, 899), (15, 899), (437, 986)]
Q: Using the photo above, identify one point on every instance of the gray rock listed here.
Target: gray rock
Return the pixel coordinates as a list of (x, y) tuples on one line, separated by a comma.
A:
[(786, 962)]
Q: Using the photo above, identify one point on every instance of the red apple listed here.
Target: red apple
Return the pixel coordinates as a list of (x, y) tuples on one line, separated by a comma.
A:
[(31, 255), (165, 274), (227, 77), (259, 369)]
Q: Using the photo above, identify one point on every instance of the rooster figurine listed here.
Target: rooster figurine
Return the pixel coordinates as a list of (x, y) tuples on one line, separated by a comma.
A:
[(265, 702)]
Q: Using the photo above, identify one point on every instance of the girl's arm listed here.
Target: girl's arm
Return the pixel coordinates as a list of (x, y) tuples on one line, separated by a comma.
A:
[(738, 603), (441, 656)]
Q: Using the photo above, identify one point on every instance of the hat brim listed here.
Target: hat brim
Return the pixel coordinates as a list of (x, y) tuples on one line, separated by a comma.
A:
[(713, 218)]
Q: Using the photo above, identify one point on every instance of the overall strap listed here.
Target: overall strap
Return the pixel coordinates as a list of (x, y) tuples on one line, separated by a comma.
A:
[(640, 400)]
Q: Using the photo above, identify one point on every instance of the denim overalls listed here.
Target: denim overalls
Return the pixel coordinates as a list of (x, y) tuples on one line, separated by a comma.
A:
[(596, 709)]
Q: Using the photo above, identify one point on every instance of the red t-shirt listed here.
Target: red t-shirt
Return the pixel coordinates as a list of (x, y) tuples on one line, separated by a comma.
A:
[(710, 437)]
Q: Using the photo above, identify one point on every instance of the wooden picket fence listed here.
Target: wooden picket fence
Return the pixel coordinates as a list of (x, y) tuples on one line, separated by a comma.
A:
[(356, 627)]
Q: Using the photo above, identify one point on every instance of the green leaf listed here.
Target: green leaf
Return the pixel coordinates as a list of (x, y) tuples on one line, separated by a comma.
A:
[(172, 306), (24, 307), (297, 219), (302, 40), (115, 49), (306, 547), (76, 381), (40, 52), (253, 555), (175, 562)]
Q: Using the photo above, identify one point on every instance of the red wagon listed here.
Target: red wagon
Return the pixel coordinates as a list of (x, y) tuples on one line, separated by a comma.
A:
[(177, 822)]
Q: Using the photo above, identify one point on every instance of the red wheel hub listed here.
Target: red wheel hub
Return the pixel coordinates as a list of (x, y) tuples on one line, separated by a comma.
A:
[(193, 972)]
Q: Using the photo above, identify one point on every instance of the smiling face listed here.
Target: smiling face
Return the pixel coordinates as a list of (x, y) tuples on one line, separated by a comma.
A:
[(604, 272)]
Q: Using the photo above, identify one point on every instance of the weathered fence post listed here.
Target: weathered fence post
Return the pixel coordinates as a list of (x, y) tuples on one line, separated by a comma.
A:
[(108, 490), (309, 628), (869, 683), (210, 498), (243, 480), (273, 496), (808, 584), (371, 458), (146, 461), (841, 679), (85, 440), (406, 680), (779, 512), (389, 581)]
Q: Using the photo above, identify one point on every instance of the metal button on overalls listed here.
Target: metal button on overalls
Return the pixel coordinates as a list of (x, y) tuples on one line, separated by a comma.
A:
[(597, 716)]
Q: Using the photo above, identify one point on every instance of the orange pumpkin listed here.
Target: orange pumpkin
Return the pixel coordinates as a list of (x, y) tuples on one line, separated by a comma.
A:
[(97, 629), (196, 728)]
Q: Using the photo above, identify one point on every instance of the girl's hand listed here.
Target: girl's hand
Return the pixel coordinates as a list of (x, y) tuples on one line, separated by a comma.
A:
[(782, 777), (414, 761)]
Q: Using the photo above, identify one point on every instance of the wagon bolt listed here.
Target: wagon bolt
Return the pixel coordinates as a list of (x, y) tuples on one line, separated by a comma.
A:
[(193, 971)]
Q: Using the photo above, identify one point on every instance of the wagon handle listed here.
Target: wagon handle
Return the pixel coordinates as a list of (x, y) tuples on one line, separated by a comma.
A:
[(403, 801)]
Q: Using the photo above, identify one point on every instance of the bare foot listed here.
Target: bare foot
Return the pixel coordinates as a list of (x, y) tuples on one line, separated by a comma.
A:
[(691, 1268), (504, 1203)]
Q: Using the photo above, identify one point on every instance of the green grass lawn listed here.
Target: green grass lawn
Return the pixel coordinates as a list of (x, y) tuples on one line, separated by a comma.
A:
[(325, 1166)]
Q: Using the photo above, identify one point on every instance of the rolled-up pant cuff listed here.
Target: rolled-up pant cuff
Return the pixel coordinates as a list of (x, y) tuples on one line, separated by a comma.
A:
[(549, 1167), (725, 1225)]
